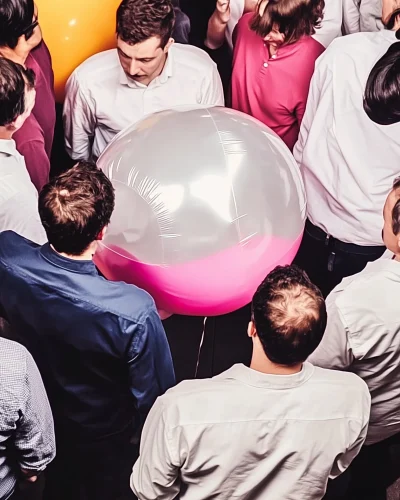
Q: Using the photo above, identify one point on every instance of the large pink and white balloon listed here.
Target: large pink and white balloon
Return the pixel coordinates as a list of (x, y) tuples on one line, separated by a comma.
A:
[(208, 201)]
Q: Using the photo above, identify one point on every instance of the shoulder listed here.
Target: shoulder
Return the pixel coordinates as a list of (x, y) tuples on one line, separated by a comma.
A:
[(99, 67), (30, 132), (188, 57), (14, 358), (12, 245), (329, 384), (243, 26)]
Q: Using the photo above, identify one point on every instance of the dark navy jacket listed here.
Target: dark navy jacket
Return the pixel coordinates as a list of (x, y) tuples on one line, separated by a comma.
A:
[(100, 345)]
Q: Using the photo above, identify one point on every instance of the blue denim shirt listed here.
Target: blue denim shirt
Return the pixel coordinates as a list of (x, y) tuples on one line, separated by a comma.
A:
[(100, 345)]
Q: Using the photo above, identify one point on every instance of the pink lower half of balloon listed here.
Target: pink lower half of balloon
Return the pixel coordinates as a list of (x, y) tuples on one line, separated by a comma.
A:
[(218, 284)]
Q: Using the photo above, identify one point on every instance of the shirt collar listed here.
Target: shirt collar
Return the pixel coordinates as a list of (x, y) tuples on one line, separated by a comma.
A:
[(7, 146), (266, 381), (75, 266), (166, 73)]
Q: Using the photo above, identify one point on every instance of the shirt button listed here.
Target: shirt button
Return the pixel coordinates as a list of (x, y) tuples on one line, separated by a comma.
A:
[(265, 65)]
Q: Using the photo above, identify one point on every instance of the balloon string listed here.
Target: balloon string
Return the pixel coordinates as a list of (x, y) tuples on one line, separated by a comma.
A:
[(200, 346)]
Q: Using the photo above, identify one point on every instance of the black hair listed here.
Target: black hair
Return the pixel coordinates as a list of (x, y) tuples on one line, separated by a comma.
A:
[(15, 20), (382, 92)]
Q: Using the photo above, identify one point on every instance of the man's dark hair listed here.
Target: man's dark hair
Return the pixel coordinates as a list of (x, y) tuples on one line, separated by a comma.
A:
[(289, 315), (139, 20), (396, 209), (14, 80), (382, 92), (15, 19), (295, 18), (75, 206)]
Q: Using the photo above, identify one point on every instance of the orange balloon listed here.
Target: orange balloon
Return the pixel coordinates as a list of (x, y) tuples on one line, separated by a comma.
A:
[(74, 30)]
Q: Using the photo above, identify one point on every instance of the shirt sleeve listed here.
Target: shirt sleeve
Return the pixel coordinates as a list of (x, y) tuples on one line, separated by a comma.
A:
[(37, 162), (306, 118), (334, 351), (351, 16), (150, 362), (79, 121), (212, 93), (358, 430), (155, 475), (34, 440)]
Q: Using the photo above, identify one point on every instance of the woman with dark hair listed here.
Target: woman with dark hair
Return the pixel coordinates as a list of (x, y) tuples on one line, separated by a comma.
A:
[(273, 62), (21, 42)]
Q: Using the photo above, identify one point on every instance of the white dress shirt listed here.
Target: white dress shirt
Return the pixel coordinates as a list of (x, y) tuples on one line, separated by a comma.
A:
[(101, 100), (18, 196), (362, 15), (348, 162), (363, 335), (331, 25), (248, 435)]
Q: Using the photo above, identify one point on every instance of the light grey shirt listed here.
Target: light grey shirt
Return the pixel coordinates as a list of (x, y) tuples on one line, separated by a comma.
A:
[(363, 336), (101, 100), (248, 435), (362, 15), (18, 196), (26, 424)]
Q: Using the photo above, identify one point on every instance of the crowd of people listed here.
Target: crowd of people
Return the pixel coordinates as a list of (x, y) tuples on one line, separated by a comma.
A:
[(89, 406)]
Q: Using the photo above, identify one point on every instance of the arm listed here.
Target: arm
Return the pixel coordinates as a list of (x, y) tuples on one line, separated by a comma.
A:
[(34, 440), (306, 117), (155, 475), (334, 351), (150, 362), (37, 162), (79, 121), (351, 16), (358, 430), (212, 92), (217, 25)]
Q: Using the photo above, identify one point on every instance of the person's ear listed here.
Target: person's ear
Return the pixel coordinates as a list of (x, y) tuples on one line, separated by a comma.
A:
[(170, 42), (102, 233), (251, 330)]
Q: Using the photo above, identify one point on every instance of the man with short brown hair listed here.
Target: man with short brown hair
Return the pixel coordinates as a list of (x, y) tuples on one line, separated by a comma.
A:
[(147, 73), (100, 345)]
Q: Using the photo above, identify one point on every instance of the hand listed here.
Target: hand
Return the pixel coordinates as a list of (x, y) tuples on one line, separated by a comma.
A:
[(223, 9)]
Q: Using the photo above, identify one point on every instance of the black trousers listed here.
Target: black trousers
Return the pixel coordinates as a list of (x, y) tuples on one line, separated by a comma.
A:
[(327, 260), (369, 475), (92, 471)]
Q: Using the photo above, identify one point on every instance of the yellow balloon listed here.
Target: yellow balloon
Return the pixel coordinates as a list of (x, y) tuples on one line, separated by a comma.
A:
[(74, 30)]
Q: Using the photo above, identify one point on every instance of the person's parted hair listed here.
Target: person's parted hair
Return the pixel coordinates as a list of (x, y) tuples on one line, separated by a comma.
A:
[(14, 81), (75, 206), (139, 20), (396, 209), (289, 315), (294, 18), (15, 18), (382, 92)]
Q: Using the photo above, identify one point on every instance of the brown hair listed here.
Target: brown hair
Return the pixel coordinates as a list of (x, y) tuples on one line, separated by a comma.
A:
[(294, 18), (139, 20), (75, 206)]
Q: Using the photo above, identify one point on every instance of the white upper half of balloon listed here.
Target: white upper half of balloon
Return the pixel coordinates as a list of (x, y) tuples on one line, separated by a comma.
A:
[(193, 182)]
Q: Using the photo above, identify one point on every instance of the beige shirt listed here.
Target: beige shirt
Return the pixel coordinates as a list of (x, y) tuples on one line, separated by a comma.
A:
[(101, 101), (248, 435), (18, 196), (363, 336)]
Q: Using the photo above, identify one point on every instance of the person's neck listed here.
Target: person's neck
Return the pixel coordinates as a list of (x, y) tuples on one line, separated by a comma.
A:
[(261, 363), (6, 133), (17, 55), (86, 255)]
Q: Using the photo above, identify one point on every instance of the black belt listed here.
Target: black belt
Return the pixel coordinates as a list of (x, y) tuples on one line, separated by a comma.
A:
[(334, 244)]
